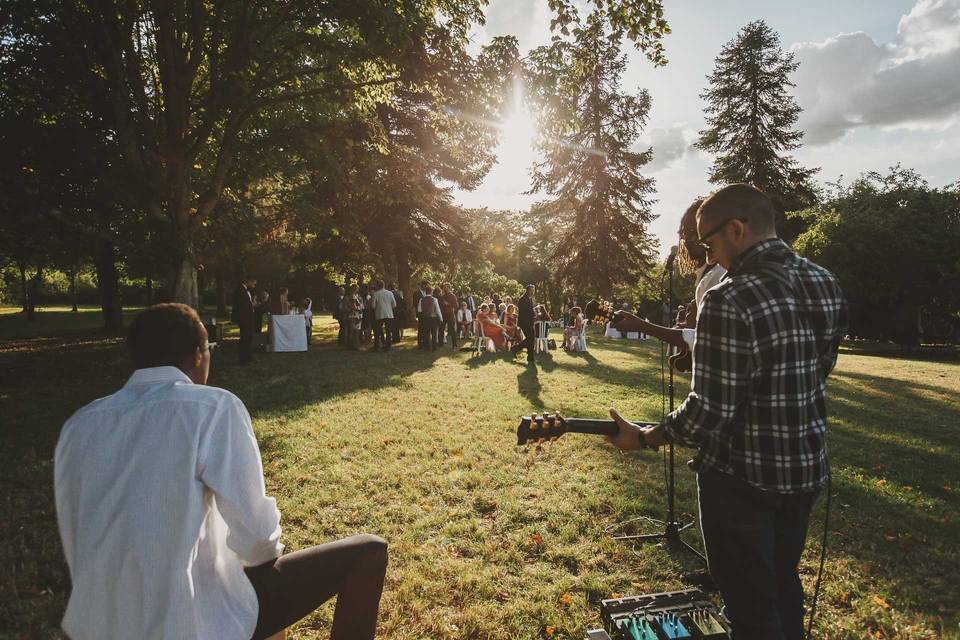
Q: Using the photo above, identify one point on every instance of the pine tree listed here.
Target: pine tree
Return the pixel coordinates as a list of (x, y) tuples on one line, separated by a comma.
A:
[(750, 118), (600, 203)]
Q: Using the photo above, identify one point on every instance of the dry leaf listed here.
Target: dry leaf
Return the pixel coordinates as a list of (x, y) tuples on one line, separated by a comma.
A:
[(549, 631), (566, 599), (881, 602), (536, 539)]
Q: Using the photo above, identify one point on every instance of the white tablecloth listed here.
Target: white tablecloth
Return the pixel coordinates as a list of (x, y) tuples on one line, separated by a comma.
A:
[(288, 333)]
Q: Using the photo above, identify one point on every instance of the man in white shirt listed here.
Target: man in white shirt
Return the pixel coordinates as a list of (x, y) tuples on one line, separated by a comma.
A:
[(384, 302), (165, 522)]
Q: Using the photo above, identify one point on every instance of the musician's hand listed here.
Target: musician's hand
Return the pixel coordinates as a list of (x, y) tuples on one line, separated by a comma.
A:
[(625, 321), (628, 438)]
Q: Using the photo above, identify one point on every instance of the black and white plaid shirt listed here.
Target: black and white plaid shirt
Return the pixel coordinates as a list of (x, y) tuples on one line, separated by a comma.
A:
[(767, 337)]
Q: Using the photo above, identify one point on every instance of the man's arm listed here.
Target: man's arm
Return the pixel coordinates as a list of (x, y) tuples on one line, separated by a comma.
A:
[(723, 353), (230, 467)]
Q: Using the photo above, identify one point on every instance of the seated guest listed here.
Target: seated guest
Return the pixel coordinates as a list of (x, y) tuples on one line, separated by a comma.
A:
[(577, 321), (166, 526), (510, 323), (464, 320), (501, 310), (540, 314), (490, 327)]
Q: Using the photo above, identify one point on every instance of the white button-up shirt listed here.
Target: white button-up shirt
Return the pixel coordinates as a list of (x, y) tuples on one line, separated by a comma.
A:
[(161, 503)]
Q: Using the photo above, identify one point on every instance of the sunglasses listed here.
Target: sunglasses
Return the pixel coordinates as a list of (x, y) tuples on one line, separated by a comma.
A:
[(702, 240)]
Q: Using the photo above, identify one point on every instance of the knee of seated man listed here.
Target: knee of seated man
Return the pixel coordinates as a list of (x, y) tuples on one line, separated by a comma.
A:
[(374, 549)]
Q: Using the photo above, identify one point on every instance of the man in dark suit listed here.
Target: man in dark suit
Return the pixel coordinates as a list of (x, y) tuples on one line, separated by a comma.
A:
[(525, 320), (338, 316), (242, 316), (423, 338)]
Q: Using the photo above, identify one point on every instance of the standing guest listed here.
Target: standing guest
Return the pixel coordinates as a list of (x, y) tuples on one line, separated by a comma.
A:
[(429, 312), (399, 313), (767, 338), (307, 306), (464, 320), (366, 318), (281, 305), (448, 307), (526, 319), (438, 326), (472, 303), (242, 315), (165, 523), (496, 302), (354, 313), (261, 304), (423, 338), (383, 303), (339, 317)]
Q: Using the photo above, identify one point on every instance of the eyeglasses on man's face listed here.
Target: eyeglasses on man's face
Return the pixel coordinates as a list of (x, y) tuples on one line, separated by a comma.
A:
[(702, 240)]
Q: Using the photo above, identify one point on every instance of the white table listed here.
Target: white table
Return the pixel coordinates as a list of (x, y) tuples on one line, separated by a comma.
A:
[(288, 333)]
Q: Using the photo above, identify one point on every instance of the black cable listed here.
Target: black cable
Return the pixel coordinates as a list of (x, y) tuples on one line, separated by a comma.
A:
[(823, 556)]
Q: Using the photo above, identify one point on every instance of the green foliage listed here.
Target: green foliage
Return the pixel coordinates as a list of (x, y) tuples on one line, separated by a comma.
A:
[(641, 20), (478, 278), (599, 205), (750, 117), (894, 242)]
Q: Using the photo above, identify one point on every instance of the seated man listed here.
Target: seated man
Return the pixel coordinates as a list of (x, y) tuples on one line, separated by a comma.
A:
[(166, 526)]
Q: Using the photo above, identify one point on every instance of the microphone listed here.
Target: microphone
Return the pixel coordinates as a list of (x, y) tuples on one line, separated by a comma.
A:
[(672, 257)]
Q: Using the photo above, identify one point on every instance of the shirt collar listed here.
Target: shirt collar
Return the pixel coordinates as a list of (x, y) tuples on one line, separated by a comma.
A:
[(754, 252), (154, 375)]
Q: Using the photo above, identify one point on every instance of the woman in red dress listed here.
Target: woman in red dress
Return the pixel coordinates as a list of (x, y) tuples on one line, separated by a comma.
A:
[(491, 327), (510, 323)]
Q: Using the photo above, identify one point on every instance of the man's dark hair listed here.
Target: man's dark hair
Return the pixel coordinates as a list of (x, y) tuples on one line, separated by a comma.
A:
[(424, 284), (740, 201), (165, 335)]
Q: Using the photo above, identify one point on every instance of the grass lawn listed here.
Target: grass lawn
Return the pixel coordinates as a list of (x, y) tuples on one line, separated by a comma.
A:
[(488, 540)]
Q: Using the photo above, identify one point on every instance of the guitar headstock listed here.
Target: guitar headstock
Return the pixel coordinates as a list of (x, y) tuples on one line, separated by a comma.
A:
[(540, 427)]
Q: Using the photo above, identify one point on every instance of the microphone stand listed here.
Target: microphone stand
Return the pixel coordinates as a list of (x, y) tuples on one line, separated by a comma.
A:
[(672, 526)]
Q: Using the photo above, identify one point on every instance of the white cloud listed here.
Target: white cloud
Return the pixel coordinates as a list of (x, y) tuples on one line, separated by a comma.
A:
[(669, 145), (850, 80)]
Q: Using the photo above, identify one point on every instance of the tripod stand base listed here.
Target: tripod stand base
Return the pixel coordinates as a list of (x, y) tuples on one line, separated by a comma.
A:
[(671, 534)]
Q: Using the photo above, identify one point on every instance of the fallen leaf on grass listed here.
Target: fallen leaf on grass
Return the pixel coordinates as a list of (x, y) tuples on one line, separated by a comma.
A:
[(881, 602), (566, 599), (536, 539)]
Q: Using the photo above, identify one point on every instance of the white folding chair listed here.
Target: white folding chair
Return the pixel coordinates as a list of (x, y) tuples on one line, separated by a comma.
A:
[(579, 340), (542, 330), (480, 341)]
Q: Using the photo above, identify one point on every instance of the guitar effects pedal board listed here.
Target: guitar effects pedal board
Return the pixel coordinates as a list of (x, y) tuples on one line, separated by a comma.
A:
[(689, 613)]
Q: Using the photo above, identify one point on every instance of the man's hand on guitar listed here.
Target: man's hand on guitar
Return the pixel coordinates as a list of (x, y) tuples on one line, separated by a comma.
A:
[(631, 437), (626, 321)]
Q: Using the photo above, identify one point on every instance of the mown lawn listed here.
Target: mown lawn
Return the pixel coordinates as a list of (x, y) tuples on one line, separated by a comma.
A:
[(488, 540)]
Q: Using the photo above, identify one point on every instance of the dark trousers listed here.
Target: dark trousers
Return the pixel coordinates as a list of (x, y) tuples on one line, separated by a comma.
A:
[(421, 331), (427, 332), (292, 586), (341, 332), (450, 324), (754, 540), (246, 343), (527, 342), (382, 333)]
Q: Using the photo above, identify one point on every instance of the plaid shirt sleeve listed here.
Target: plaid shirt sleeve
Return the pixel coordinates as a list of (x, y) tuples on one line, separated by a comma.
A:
[(723, 353)]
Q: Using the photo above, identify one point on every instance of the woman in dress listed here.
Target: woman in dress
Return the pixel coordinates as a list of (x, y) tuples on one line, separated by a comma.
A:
[(491, 327), (354, 317), (577, 320), (510, 323)]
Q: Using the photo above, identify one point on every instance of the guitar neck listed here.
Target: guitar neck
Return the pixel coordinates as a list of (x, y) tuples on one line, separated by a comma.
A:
[(591, 426)]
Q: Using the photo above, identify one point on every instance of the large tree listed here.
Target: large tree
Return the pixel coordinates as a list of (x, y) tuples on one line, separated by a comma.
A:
[(599, 202), (750, 121)]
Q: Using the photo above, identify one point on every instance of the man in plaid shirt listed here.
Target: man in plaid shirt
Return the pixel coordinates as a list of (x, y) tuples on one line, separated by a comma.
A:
[(767, 337)]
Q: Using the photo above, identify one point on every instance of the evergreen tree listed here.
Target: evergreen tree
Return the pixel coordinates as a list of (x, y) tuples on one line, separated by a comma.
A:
[(600, 205), (750, 119)]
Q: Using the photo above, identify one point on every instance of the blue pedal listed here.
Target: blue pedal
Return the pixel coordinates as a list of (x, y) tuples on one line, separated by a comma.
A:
[(672, 627)]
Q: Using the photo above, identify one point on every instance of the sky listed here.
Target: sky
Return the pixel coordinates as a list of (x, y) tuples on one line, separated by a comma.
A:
[(878, 82)]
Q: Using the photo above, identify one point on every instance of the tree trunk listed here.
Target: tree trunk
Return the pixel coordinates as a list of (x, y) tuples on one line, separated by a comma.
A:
[(403, 282), (33, 293), (184, 285), (108, 285), (149, 292), (73, 288), (23, 286), (221, 297)]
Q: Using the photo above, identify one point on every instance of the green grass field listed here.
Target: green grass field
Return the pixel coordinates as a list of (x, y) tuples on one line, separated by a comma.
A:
[(488, 540)]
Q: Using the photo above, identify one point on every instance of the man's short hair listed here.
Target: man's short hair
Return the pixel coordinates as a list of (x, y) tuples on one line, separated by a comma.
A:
[(165, 335), (740, 201), (531, 286)]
